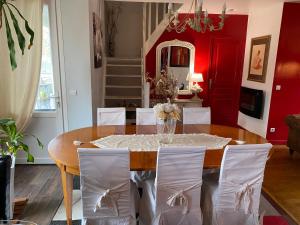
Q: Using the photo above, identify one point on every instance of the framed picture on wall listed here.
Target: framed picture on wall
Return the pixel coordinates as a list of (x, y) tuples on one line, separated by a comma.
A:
[(259, 55), (180, 57)]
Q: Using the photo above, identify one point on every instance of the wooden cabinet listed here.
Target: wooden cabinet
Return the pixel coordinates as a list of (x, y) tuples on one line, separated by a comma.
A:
[(188, 102)]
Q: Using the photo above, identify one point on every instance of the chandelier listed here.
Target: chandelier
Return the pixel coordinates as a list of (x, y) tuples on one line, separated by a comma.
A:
[(200, 22)]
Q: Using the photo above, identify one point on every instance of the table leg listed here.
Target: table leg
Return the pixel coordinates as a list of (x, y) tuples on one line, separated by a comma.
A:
[(67, 184)]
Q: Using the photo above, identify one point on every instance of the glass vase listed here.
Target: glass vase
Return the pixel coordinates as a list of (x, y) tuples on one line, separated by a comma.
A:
[(165, 130)]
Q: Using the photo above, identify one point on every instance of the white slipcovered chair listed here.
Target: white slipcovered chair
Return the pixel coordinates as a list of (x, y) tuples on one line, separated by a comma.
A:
[(145, 116), (108, 196), (233, 195), (111, 116), (197, 115), (173, 198)]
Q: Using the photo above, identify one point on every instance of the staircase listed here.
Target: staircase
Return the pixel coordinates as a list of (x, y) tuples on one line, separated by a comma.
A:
[(123, 85), (155, 22)]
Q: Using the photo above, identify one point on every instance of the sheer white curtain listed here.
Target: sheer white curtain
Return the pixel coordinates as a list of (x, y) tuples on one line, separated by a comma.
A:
[(18, 88)]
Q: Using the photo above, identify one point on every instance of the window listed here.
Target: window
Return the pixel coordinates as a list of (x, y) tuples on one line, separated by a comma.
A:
[(45, 100)]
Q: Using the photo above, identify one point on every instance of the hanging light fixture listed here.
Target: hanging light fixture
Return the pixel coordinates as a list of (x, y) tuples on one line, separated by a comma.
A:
[(200, 22)]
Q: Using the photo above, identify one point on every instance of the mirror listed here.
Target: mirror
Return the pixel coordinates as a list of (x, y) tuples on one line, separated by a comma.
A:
[(178, 57)]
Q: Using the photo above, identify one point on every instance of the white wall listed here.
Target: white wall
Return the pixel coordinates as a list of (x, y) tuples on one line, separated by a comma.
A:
[(215, 6), (97, 74), (129, 38), (264, 19), (76, 49)]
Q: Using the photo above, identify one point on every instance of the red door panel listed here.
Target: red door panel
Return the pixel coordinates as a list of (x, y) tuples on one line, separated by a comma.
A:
[(287, 75), (225, 80)]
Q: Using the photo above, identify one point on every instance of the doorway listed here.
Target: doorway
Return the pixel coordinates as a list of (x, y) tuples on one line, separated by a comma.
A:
[(225, 78)]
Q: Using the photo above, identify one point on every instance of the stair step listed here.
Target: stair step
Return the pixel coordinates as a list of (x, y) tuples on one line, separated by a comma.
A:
[(123, 86), (123, 97), (123, 70), (130, 109), (123, 65), (124, 81), (123, 75), (126, 61)]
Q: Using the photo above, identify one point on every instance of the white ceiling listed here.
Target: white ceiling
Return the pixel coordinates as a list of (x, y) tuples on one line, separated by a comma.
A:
[(215, 6)]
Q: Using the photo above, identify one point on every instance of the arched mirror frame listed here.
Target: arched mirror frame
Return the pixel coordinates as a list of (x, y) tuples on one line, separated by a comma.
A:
[(178, 43)]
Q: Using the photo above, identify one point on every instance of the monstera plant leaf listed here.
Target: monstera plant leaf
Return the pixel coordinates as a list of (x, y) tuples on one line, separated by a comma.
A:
[(9, 12)]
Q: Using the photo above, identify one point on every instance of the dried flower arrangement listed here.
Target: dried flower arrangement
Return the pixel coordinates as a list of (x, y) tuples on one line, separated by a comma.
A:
[(163, 88), (167, 111), (113, 13)]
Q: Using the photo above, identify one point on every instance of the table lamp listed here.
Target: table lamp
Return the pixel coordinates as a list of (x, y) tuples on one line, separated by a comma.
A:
[(196, 88)]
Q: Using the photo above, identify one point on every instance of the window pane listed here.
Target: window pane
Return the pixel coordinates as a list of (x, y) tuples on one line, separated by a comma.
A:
[(44, 102)]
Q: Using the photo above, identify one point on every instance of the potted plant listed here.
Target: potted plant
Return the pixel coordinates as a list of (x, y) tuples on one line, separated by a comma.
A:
[(11, 142), (11, 18)]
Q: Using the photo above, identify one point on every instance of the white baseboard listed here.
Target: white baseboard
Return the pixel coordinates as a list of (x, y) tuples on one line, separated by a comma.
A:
[(36, 161)]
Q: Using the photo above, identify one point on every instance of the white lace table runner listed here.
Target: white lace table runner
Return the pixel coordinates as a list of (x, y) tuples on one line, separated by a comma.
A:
[(151, 142)]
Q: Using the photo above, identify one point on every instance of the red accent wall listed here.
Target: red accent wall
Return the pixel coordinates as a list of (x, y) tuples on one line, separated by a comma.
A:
[(235, 28), (287, 74)]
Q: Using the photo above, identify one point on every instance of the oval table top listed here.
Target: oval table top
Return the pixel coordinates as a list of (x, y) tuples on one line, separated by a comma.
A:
[(64, 152)]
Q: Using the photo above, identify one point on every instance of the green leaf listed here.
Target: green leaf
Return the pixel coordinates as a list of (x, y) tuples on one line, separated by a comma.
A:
[(21, 38), (1, 7), (10, 43), (30, 158), (40, 143), (30, 32), (27, 27)]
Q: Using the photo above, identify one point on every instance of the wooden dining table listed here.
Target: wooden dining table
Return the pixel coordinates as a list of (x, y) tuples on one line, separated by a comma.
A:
[(64, 152)]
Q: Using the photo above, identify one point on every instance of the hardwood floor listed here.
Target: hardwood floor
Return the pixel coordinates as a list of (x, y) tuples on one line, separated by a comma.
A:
[(282, 183), (42, 185)]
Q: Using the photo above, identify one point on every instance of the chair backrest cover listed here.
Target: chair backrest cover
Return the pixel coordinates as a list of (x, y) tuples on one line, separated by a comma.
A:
[(197, 115), (145, 116), (105, 183), (241, 177), (111, 116), (178, 182)]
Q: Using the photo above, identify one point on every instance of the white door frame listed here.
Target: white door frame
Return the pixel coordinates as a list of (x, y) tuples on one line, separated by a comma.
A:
[(58, 68), (58, 65)]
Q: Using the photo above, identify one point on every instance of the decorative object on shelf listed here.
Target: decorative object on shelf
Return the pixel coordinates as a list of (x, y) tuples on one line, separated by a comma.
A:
[(259, 55), (178, 58), (97, 40), (113, 13), (8, 8), (163, 88), (196, 88), (11, 142), (199, 23), (167, 115)]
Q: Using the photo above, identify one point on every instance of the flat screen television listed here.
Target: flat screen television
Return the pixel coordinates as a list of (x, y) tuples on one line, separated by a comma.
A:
[(251, 102)]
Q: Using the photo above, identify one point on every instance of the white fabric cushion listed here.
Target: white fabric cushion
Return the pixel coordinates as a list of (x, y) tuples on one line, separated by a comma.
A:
[(148, 200), (108, 196), (233, 196), (111, 116), (175, 196), (197, 115), (145, 116)]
